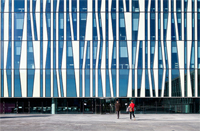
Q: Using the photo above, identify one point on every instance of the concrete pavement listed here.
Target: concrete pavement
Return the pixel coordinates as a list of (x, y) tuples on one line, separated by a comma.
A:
[(91, 122)]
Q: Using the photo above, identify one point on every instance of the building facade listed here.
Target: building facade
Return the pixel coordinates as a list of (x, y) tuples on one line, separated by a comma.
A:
[(90, 52)]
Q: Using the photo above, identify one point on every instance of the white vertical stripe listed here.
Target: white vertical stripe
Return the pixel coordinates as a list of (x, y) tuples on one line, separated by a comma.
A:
[(189, 46), (117, 48), (124, 5), (57, 49), (78, 25), (64, 78), (196, 52), (75, 48), (36, 47), (103, 59), (6, 42), (12, 54), (91, 67), (142, 89), (182, 21), (110, 46), (128, 21), (51, 48), (163, 51), (149, 71), (31, 18), (155, 64), (45, 44), (83, 69), (175, 21), (98, 49), (23, 60), (136, 67), (168, 38)]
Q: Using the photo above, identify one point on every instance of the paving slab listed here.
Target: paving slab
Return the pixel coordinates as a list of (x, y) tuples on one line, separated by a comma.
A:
[(97, 122)]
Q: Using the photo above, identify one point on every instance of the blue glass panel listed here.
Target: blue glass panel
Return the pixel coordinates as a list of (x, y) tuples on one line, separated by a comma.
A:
[(80, 81), (160, 59), (61, 6), (166, 57), (94, 53), (61, 26), (192, 79), (198, 50), (100, 53), (48, 56), (139, 80), (83, 5), (9, 82), (152, 50), (41, 83), (74, 6), (18, 25), (107, 51), (83, 17), (175, 63), (100, 26), (2, 55), (166, 91), (68, 28), (123, 82), (134, 46), (176, 88), (113, 8), (87, 63), (70, 60), (123, 55), (153, 82), (121, 8), (87, 83), (99, 5), (152, 26), (192, 56), (30, 83), (60, 52), (140, 56), (113, 16), (122, 29), (198, 24), (19, 5), (2, 5), (74, 20), (30, 57), (165, 21), (71, 85), (8, 65), (55, 84), (133, 83), (152, 6), (29, 30), (100, 90), (160, 76), (113, 65), (95, 37), (48, 5), (94, 82), (108, 92), (17, 84), (48, 83), (48, 22), (2, 83), (127, 5), (17, 54), (114, 81), (82, 43), (147, 89), (135, 26)]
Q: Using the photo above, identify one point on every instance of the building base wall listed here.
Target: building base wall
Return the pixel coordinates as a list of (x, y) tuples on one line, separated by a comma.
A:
[(97, 105)]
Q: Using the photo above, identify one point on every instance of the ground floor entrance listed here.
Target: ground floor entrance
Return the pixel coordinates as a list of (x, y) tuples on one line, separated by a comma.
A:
[(97, 105)]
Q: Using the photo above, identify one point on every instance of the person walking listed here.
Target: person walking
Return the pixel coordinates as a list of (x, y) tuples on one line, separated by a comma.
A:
[(131, 109), (117, 108)]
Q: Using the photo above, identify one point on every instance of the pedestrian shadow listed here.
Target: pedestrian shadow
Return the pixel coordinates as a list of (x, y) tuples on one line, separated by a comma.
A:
[(7, 117)]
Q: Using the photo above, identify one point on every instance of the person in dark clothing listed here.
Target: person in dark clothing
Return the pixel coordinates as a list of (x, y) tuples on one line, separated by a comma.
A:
[(131, 110), (117, 108)]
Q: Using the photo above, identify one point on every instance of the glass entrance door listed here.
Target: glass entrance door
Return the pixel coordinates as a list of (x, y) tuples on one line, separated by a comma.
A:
[(108, 106)]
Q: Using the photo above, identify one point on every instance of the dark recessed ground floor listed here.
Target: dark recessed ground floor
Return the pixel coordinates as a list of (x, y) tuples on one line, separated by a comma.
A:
[(97, 105)]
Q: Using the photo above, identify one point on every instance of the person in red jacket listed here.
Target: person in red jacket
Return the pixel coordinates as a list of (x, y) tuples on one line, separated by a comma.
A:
[(132, 105)]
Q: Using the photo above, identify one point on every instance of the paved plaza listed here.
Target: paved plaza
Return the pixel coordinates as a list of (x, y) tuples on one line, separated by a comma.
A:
[(92, 122)]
